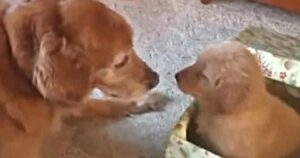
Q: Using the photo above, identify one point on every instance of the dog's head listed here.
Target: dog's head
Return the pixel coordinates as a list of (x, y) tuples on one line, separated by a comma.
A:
[(222, 77), (108, 39), (127, 76), (95, 49)]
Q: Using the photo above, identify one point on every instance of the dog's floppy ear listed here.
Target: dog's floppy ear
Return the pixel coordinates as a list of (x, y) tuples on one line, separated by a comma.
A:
[(231, 90), (51, 43)]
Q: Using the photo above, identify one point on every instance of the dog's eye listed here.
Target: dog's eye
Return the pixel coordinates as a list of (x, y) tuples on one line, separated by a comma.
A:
[(122, 62)]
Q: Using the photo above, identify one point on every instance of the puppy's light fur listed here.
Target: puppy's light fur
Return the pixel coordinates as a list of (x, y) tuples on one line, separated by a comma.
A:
[(237, 116)]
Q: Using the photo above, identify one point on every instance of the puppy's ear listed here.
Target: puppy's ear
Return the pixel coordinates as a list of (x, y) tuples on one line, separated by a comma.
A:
[(51, 43), (231, 91)]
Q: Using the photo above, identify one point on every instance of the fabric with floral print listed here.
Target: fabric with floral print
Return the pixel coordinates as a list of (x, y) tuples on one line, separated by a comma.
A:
[(278, 68), (278, 54), (179, 147)]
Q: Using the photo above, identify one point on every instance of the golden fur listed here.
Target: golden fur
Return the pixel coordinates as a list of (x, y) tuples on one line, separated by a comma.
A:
[(237, 116), (23, 104), (64, 56), (73, 46)]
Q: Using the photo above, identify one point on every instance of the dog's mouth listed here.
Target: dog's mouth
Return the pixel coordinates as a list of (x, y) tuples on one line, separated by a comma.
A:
[(127, 94), (128, 89), (114, 95)]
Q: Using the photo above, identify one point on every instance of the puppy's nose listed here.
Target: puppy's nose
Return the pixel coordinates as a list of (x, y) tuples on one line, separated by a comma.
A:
[(154, 80), (177, 77)]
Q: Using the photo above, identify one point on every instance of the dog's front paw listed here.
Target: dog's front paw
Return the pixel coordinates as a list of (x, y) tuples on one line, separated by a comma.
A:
[(152, 102)]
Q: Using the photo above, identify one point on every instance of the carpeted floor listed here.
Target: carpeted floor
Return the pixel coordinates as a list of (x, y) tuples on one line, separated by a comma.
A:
[(168, 36)]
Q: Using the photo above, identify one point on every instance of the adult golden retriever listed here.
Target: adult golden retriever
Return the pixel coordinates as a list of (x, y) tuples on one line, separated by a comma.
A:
[(67, 48)]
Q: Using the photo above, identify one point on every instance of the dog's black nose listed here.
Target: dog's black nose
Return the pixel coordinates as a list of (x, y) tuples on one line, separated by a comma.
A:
[(177, 77), (151, 85)]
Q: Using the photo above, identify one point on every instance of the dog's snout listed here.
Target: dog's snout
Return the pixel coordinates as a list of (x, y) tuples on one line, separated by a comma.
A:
[(151, 85)]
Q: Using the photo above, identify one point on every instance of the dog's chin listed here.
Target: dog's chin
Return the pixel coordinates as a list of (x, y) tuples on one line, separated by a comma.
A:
[(133, 95), (126, 93)]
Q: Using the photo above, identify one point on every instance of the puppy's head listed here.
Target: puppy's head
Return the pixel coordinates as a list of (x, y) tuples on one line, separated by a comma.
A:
[(61, 73), (222, 77)]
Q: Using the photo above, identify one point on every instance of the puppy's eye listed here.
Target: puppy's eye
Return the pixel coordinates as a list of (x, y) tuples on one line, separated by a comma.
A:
[(122, 62), (218, 82)]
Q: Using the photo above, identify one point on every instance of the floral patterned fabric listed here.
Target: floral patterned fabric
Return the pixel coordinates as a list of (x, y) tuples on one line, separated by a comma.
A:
[(179, 147), (279, 56), (280, 69)]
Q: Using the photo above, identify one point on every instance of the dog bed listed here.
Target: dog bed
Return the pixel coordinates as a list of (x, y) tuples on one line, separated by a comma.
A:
[(279, 56)]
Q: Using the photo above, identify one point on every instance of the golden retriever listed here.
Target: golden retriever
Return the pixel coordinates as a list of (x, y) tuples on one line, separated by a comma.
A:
[(237, 116), (23, 103), (67, 48), (63, 66)]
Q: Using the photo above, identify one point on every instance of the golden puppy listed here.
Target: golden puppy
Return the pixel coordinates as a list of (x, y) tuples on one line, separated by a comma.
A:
[(67, 48), (238, 117)]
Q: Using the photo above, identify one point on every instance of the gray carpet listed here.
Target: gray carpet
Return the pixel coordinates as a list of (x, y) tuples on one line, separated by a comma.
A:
[(168, 36)]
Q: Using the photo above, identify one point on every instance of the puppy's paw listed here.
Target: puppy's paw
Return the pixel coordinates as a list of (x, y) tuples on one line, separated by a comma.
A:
[(151, 102)]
